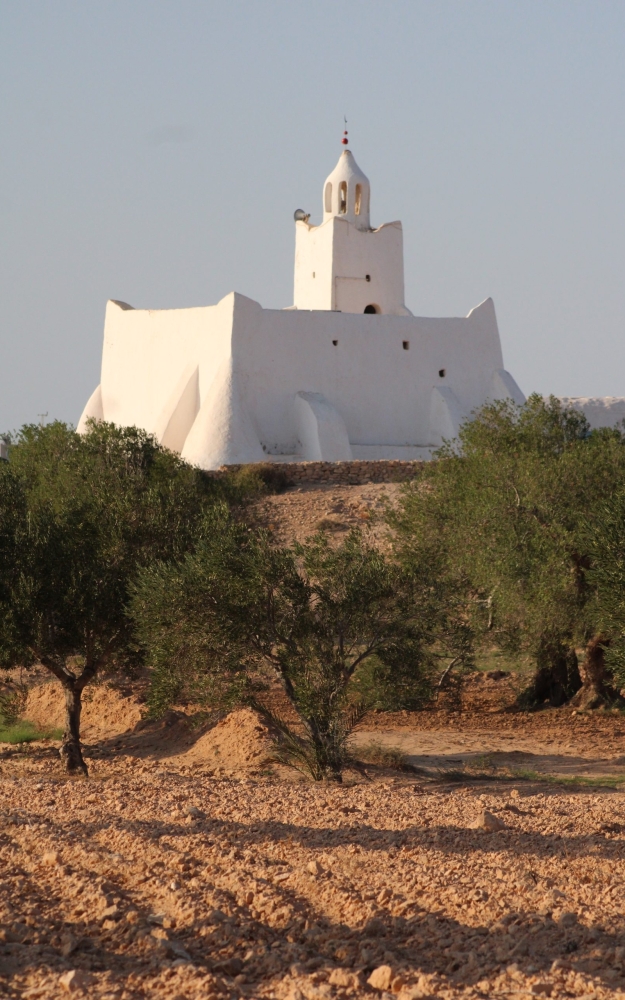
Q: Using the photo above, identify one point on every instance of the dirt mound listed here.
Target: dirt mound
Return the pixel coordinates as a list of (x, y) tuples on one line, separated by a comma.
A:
[(300, 512), (239, 743), (106, 712)]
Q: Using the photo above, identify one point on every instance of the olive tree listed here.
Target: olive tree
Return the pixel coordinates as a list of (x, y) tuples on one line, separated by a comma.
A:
[(311, 614), (78, 516), (509, 506)]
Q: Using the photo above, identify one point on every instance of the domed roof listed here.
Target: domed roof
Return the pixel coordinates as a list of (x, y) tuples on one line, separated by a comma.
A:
[(346, 192)]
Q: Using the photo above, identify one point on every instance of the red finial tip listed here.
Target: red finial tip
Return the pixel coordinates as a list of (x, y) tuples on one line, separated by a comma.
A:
[(345, 141)]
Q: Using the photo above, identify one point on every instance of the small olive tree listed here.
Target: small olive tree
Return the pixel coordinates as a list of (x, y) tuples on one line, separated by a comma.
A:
[(78, 516), (312, 614)]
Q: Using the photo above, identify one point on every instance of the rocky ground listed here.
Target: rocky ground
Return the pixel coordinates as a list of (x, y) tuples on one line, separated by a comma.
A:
[(184, 868), (187, 867)]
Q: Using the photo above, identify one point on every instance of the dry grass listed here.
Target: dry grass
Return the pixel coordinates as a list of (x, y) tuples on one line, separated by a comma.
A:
[(385, 756)]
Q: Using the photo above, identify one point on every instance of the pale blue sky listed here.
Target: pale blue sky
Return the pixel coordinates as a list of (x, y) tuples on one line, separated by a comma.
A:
[(155, 152)]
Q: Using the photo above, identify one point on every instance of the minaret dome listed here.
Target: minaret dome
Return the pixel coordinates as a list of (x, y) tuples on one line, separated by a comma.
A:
[(346, 193)]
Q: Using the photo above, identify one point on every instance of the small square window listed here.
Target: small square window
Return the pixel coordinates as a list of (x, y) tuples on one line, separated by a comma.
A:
[(406, 345), (367, 277), (442, 372), (335, 342)]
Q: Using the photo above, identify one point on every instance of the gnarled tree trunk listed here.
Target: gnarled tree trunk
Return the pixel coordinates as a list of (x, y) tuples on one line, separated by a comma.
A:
[(557, 676), (596, 689)]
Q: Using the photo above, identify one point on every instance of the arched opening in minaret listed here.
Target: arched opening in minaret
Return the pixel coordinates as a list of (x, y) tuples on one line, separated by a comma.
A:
[(372, 309), (358, 201), (328, 198), (343, 198)]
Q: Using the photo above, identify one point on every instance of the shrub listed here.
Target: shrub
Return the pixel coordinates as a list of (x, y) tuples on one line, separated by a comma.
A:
[(311, 614)]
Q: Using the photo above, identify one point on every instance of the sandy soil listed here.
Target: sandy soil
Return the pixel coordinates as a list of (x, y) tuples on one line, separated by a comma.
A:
[(181, 869), (553, 742), (488, 750), (105, 709), (300, 511)]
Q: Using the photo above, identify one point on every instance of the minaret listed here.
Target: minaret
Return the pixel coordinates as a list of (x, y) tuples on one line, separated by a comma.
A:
[(347, 193), (343, 264)]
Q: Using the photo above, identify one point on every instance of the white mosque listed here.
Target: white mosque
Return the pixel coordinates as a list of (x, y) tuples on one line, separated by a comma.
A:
[(346, 372)]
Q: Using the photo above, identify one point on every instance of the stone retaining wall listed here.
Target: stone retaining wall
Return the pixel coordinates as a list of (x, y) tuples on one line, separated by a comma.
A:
[(340, 473)]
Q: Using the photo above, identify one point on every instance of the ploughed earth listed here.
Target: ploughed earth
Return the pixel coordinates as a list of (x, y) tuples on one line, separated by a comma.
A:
[(189, 866)]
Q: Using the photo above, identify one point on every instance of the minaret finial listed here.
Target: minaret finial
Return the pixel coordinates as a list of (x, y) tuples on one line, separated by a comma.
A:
[(345, 140)]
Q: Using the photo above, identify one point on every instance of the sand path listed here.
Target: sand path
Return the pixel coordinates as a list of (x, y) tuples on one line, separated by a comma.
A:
[(487, 749)]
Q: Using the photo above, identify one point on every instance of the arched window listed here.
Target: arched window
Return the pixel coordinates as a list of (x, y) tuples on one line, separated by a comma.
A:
[(372, 309), (328, 198), (342, 197), (358, 199)]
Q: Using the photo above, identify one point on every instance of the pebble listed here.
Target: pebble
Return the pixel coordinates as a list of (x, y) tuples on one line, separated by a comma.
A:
[(74, 980), (381, 978), (488, 821), (343, 977)]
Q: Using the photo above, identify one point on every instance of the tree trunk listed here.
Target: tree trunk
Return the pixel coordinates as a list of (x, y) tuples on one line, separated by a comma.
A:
[(328, 757), (596, 689), (557, 676), (70, 748), (73, 687)]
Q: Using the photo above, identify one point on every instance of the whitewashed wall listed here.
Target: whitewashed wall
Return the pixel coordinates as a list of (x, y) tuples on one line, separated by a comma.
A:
[(220, 383), (332, 262)]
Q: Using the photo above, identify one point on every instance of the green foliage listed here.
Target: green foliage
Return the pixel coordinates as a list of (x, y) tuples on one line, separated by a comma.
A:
[(393, 688), (606, 532), (80, 515), (250, 481), (175, 611), (539, 427), (313, 614), (313, 757), (12, 702), (506, 510)]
